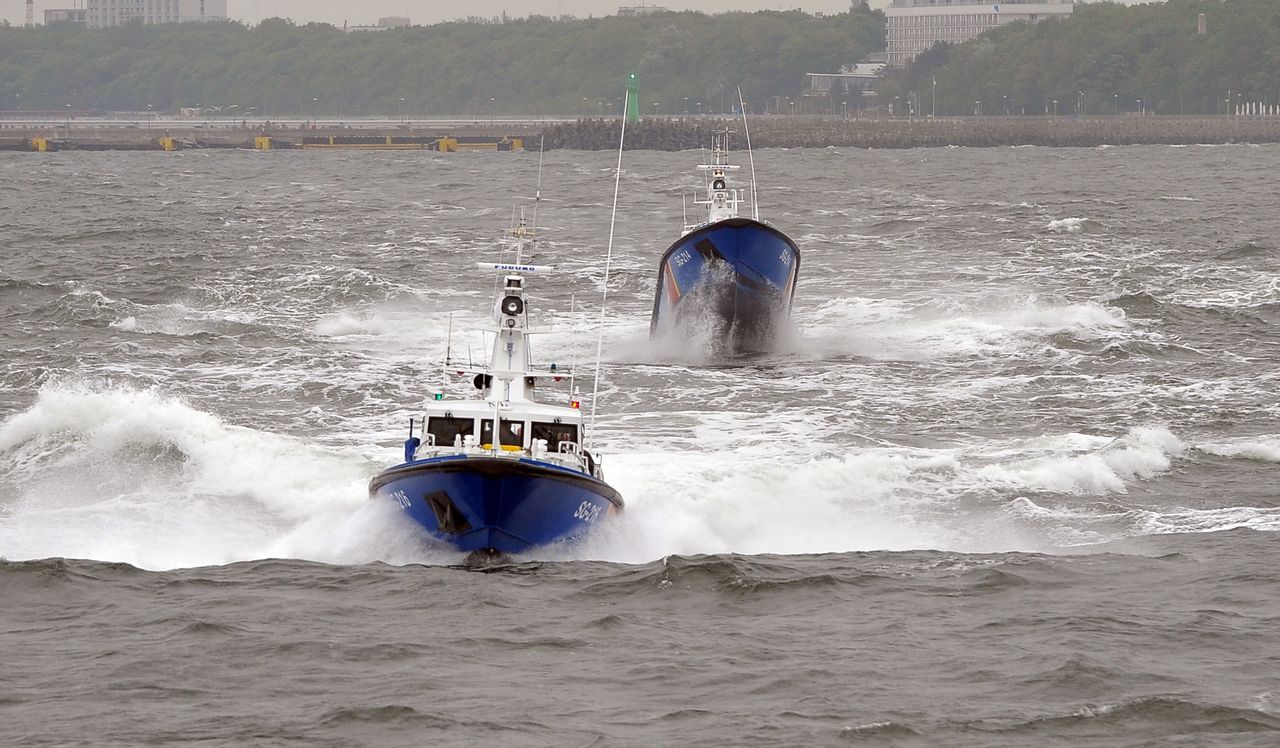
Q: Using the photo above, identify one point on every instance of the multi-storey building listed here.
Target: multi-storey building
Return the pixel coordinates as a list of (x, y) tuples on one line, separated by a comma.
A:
[(915, 25), (102, 13), (74, 16)]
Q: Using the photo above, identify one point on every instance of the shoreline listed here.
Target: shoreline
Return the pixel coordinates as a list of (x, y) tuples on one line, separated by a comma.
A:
[(660, 133)]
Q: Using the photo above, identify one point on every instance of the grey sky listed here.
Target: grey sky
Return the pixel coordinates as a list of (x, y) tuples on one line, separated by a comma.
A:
[(431, 11)]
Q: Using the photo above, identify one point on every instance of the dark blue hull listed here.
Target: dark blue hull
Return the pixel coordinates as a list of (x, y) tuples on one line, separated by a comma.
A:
[(737, 275), (497, 505)]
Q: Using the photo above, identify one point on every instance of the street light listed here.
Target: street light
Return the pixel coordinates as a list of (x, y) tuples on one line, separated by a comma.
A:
[(686, 105), (1117, 98), (977, 108), (1080, 104), (655, 109), (1055, 107), (1141, 112), (699, 108), (1005, 99)]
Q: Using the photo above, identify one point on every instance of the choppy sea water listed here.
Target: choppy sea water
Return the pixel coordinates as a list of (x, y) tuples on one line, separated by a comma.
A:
[(1012, 482)]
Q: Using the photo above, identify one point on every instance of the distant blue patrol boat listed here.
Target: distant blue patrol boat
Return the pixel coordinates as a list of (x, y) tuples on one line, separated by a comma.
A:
[(731, 276), (503, 474)]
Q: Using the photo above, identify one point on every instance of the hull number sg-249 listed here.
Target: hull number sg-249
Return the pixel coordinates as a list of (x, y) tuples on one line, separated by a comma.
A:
[(588, 512)]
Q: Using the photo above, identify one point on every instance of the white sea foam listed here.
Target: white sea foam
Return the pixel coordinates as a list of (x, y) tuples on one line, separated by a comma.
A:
[(119, 474), (132, 475), (997, 326), (1068, 225), (1263, 448)]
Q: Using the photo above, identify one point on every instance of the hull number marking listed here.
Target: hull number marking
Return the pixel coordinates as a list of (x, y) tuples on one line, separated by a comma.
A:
[(587, 512)]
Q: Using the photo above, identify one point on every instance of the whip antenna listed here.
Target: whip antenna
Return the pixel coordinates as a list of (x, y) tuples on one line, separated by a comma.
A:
[(537, 196), (755, 196), (608, 258)]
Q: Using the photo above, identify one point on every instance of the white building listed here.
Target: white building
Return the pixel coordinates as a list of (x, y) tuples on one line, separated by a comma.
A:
[(915, 25), (385, 23), (631, 11), (103, 13)]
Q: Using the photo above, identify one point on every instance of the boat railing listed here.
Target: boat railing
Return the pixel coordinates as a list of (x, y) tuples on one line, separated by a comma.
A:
[(573, 450)]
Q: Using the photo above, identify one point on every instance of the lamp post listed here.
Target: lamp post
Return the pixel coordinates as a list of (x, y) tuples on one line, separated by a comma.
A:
[(655, 109), (1141, 112), (1005, 101), (935, 98), (686, 105), (699, 108), (1117, 98), (1055, 107), (977, 108), (1080, 103)]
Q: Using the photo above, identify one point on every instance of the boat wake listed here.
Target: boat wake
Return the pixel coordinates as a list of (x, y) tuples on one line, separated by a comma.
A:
[(125, 475)]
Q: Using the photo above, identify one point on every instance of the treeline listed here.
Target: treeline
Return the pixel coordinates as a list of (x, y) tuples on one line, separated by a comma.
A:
[(538, 65), (1106, 58)]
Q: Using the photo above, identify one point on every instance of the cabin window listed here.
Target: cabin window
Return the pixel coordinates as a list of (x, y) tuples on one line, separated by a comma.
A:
[(446, 430), (511, 433), (555, 433)]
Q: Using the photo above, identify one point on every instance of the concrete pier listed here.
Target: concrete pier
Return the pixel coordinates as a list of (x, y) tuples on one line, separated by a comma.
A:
[(657, 133), (89, 136)]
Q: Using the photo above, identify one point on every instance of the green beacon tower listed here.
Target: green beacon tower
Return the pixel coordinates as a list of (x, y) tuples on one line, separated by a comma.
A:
[(633, 98)]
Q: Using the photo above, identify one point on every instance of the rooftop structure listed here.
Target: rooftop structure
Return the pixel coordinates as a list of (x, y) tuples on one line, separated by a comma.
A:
[(916, 25)]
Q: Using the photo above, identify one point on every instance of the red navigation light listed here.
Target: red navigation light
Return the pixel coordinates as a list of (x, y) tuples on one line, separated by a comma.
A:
[(575, 403)]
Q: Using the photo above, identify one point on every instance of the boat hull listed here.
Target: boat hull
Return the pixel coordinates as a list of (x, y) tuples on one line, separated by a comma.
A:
[(496, 504), (735, 278)]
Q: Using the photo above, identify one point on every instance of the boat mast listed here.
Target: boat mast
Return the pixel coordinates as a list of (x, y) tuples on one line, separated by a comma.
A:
[(755, 196), (608, 259)]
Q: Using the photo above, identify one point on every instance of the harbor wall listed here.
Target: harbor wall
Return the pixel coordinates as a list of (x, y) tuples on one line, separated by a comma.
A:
[(973, 132), (666, 134)]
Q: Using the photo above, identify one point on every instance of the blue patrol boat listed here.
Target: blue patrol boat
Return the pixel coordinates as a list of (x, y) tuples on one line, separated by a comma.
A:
[(503, 473), (730, 276)]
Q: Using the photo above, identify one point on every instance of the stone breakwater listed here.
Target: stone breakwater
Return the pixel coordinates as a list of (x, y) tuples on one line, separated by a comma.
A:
[(673, 134), (975, 132)]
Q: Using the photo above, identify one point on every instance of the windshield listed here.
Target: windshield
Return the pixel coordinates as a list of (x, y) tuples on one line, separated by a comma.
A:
[(448, 431), (555, 434)]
